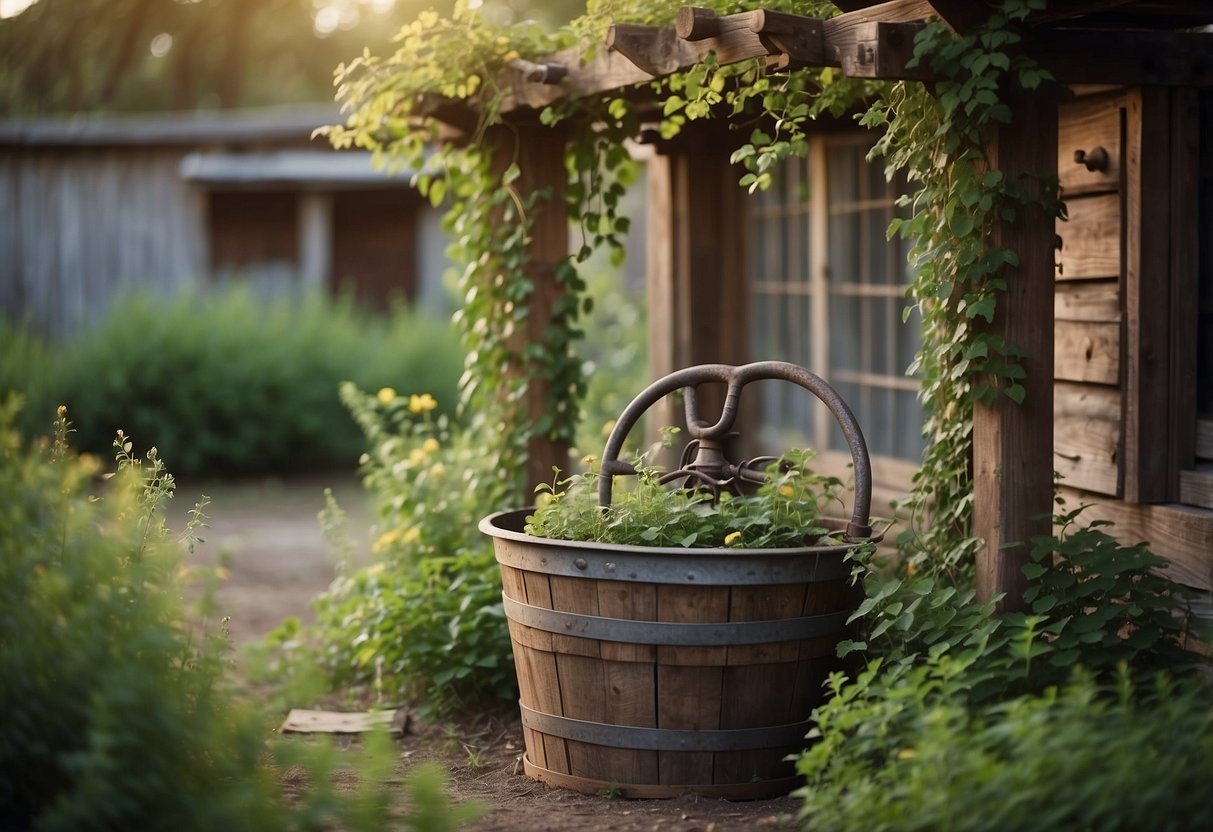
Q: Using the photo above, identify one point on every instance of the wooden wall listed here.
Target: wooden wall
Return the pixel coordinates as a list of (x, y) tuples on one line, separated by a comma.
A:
[(1087, 301), (80, 227), (1126, 438)]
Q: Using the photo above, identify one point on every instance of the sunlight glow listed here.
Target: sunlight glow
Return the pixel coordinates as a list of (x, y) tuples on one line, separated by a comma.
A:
[(161, 44), (12, 8)]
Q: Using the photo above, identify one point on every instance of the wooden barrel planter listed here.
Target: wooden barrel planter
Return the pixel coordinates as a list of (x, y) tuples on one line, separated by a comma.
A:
[(654, 671)]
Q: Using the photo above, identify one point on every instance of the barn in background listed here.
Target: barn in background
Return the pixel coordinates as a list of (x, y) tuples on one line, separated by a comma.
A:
[(91, 209)]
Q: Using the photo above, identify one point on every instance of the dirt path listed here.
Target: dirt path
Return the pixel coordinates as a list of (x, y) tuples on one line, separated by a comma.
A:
[(267, 532)]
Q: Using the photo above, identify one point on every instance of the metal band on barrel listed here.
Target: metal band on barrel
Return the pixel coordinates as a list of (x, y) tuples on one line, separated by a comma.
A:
[(754, 567), (664, 739), (673, 633)]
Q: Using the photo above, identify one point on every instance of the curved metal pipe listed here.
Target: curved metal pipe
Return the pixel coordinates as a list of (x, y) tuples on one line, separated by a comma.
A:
[(737, 378)]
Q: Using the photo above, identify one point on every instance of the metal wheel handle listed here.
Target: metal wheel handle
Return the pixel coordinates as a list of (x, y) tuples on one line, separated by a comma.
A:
[(736, 378)]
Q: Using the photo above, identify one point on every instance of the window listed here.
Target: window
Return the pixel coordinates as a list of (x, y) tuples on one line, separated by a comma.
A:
[(828, 292), (253, 232)]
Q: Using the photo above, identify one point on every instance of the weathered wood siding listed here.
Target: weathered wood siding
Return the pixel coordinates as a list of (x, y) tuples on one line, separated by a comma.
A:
[(80, 228), (1126, 438), (1087, 298)]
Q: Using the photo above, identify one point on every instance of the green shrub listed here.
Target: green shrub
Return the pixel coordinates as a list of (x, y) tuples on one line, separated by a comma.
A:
[(426, 621), (117, 714), (786, 510), (906, 756), (225, 383), (1084, 712)]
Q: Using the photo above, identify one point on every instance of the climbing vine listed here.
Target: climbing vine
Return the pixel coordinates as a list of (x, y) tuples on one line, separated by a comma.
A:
[(451, 70), (934, 137)]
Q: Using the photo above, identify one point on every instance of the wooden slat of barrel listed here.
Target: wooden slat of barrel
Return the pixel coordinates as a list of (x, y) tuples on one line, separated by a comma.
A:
[(545, 681), (818, 656), (512, 581), (689, 679), (579, 666), (630, 678), (758, 681)]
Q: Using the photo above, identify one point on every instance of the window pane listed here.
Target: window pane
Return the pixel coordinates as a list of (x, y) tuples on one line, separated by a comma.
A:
[(844, 333), (869, 347), (909, 439)]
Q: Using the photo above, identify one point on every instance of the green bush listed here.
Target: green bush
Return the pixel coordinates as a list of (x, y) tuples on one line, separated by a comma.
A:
[(1085, 756), (426, 621), (226, 383), (117, 714), (786, 510), (1083, 712)]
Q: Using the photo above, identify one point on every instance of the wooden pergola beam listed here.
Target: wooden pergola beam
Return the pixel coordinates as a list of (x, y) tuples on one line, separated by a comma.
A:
[(875, 41)]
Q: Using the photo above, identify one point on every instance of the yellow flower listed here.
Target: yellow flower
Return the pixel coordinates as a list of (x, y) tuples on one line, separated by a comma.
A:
[(417, 456), (411, 535), (731, 538), (608, 427), (386, 395), (422, 403), (588, 460), (374, 569), (430, 445), (437, 469), (385, 540), (787, 491)]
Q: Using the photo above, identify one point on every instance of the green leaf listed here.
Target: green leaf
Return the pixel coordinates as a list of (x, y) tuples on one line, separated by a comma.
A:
[(1033, 571)]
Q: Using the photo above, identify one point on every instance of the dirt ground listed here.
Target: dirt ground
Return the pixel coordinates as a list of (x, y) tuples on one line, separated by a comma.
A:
[(267, 532)]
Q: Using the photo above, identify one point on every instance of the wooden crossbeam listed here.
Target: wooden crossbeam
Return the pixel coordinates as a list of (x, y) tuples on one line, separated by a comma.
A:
[(872, 41)]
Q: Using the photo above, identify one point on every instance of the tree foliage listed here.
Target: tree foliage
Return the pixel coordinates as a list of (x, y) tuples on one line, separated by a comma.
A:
[(129, 55)]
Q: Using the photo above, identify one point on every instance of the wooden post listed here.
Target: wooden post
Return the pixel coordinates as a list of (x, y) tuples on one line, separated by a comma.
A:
[(696, 266), (1013, 443), (539, 153)]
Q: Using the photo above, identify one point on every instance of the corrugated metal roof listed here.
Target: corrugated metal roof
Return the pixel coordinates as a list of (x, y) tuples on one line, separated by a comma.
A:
[(294, 123), (288, 167)]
